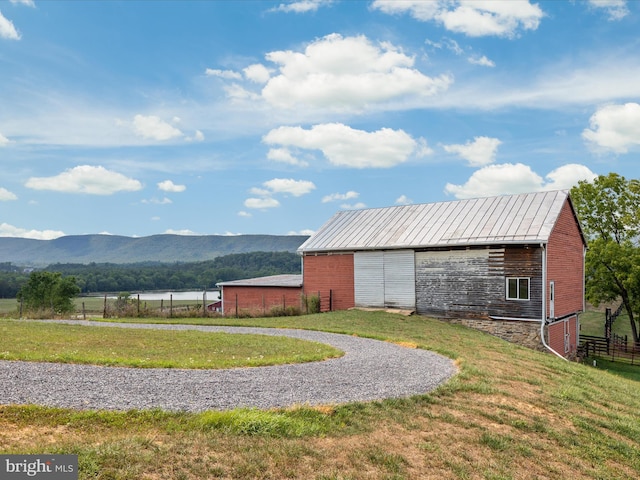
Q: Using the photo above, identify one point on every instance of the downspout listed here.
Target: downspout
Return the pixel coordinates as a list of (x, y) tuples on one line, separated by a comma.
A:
[(221, 298), (543, 320)]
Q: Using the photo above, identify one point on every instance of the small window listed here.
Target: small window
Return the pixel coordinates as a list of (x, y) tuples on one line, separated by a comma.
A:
[(517, 289)]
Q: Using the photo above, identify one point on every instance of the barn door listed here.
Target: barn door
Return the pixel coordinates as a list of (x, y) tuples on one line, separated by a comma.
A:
[(368, 278), (385, 279), (399, 279)]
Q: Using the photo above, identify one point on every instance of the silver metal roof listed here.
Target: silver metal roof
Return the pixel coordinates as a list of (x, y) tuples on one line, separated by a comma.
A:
[(271, 281), (508, 219)]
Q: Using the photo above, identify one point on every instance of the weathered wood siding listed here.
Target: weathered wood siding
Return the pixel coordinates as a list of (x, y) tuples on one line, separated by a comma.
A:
[(458, 282), (522, 261), (472, 282)]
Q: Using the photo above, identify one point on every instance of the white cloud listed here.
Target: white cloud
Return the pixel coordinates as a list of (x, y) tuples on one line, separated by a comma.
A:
[(28, 3), (615, 127), (347, 73), (261, 203), (297, 188), (423, 149), (158, 201), (169, 186), (474, 18), (616, 9), (567, 176), (155, 128), (517, 178), (307, 232), (482, 151), (7, 230), (226, 74), (347, 147), (340, 196), (284, 155), (403, 200), (6, 195), (257, 73), (355, 206), (237, 92), (184, 231), (242, 213), (7, 30), (483, 61), (302, 6), (4, 141), (198, 136), (86, 179)]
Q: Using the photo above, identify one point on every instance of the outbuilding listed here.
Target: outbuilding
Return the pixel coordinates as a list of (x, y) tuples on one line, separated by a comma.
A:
[(510, 265), (260, 296)]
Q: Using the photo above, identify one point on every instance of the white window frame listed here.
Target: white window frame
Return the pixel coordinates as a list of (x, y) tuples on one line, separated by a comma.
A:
[(518, 279)]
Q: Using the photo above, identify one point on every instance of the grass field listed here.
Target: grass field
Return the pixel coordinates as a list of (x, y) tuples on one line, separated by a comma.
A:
[(592, 323), (46, 342), (511, 413)]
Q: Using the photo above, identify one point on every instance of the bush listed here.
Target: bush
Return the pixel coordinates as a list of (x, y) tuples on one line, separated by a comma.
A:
[(312, 303)]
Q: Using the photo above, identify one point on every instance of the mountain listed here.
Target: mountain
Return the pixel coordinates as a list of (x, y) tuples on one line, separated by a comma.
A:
[(155, 248)]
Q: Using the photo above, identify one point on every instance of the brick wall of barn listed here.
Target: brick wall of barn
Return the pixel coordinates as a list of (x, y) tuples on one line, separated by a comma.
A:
[(563, 336), (242, 300), (565, 264), (331, 276)]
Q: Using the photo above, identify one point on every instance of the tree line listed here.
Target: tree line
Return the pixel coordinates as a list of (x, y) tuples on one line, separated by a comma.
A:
[(112, 277)]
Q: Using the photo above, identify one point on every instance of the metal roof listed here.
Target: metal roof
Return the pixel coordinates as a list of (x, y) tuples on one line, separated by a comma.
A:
[(507, 219), (271, 281)]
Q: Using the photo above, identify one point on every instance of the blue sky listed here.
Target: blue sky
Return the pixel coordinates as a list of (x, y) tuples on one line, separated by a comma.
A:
[(253, 117)]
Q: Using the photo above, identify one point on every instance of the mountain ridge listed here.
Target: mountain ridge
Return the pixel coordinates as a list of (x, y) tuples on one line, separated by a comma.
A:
[(165, 248)]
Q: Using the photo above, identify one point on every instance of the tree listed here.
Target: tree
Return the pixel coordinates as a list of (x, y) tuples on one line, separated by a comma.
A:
[(609, 211), (49, 291)]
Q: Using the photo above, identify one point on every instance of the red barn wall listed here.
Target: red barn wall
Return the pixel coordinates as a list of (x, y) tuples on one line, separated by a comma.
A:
[(565, 264), (565, 330), (259, 300), (332, 277)]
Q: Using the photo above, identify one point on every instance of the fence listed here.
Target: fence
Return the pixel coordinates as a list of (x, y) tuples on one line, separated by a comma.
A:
[(134, 306), (616, 348)]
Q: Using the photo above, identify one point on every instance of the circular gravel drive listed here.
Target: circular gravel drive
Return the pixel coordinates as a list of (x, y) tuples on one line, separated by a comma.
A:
[(369, 370)]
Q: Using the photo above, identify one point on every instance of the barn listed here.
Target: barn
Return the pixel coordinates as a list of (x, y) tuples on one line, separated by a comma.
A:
[(510, 265), (260, 296)]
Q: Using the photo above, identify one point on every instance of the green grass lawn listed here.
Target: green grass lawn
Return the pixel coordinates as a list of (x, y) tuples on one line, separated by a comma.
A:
[(510, 413), (48, 342), (592, 323)]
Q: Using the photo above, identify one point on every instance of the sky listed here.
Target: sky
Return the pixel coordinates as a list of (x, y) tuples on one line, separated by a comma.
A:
[(138, 118)]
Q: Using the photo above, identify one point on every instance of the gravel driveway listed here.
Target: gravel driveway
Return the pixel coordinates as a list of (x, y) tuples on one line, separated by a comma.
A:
[(369, 370)]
